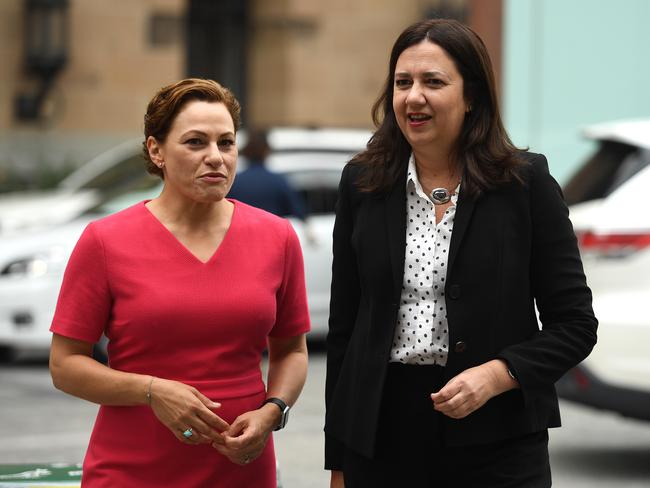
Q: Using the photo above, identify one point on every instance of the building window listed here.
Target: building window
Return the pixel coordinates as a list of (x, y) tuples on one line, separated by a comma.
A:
[(165, 30)]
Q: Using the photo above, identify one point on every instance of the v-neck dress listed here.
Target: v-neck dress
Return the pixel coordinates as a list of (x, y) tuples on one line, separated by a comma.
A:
[(169, 315)]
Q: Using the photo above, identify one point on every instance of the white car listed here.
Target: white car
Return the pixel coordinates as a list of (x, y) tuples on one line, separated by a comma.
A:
[(609, 201), (111, 173), (32, 261)]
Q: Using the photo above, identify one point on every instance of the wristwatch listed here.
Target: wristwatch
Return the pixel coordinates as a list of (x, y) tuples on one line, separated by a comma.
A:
[(284, 408)]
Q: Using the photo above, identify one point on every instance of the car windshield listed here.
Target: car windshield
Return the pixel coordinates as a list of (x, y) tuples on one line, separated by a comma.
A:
[(146, 189), (604, 171)]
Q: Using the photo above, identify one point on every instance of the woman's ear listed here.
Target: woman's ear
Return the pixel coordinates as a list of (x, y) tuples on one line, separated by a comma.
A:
[(155, 151), (469, 103), (469, 96)]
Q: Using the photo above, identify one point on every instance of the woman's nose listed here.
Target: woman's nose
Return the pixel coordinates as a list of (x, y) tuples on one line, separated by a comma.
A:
[(214, 157), (415, 95)]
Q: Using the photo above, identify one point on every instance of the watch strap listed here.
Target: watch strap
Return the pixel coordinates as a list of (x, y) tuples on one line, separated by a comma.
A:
[(284, 409)]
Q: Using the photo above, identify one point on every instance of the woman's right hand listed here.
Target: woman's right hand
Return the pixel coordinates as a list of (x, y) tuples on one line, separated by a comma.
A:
[(180, 407), (336, 479)]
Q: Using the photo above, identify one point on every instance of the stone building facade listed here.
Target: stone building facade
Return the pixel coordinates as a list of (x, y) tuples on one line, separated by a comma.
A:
[(305, 63)]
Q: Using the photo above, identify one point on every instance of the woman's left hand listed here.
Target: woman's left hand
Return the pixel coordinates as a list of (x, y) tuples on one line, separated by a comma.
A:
[(246, 438), (472, 388)]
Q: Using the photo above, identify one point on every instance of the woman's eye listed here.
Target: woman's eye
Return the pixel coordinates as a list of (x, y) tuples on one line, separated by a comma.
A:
[(195, 141), (227, 143), (402, 83), (435, 82)]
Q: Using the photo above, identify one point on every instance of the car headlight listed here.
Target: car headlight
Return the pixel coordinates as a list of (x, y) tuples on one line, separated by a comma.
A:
[(37, 264)]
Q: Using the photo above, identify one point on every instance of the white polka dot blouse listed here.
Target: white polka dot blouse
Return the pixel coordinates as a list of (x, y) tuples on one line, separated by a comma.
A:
[(422, 332)]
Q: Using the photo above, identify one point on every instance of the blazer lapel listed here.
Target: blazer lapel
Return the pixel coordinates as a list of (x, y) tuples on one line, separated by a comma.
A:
[(464, 210), (396, 225)]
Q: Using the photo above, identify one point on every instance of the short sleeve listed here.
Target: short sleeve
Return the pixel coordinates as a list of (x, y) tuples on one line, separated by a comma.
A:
[(84, 303), (292, 317)]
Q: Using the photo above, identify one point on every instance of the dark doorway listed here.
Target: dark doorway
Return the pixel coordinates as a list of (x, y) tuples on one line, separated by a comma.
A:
[(216, 42)]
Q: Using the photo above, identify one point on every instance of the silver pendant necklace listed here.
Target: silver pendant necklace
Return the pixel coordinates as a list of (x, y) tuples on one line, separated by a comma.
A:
[(440, 196)]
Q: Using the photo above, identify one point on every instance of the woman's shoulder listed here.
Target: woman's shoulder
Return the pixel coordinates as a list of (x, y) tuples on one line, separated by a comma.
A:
[(262, 227), (531, 158), (532, 164), (121, 221), (258, 217)]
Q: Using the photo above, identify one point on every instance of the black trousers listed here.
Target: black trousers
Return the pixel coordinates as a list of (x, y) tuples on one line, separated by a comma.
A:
[(411, 452)]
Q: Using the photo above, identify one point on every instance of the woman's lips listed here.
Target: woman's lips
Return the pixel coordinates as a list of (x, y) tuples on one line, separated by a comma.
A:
[(417, 119), (213, 177)]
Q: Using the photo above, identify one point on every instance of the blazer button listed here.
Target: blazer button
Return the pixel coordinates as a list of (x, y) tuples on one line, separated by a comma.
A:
[(454, 292), (461, 346)]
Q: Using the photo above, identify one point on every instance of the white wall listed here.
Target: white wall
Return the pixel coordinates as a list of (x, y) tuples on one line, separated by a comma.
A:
[(570, 63)]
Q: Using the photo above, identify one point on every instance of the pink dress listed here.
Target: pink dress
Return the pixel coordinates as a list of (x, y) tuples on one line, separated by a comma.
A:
[(169, 315)]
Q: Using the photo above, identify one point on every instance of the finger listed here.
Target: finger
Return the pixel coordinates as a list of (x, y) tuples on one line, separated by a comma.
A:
[(218, 439), (237, 443), (209, 423), (222, 449), (458, 411), (187, 435), (212, 419), (446, 393), (442, 400), (451, 404), (237, 428), (235, 457), (202, 430), (246, 440), (225, 450), (206, 401)]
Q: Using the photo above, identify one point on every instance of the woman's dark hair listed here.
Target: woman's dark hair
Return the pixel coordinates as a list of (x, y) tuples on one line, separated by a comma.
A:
[(483, 148), (170, 100)]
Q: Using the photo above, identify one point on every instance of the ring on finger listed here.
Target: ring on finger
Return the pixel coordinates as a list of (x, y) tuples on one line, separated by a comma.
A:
[(188, 433)]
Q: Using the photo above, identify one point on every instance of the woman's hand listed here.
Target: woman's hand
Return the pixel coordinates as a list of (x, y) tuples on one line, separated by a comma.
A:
[(246, 438), (472, 388), (336, 479), (180, 407)]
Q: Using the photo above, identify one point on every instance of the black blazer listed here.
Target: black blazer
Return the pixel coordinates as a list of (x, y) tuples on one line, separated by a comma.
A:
[(510, 247)]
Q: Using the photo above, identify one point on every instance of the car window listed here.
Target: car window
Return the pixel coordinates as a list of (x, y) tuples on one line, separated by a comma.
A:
[(604, 171), (121, 174), (318, 188), (314, 174), (146, 188)]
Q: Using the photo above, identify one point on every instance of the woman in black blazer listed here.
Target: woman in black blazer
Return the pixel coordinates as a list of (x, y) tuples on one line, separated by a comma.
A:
[(446, 237)]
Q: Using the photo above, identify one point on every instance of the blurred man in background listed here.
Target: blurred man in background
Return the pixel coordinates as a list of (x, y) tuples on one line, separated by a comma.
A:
[(261, 188)]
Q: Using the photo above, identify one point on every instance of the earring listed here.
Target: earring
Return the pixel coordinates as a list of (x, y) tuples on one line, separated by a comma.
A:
[(468, 109), (162, 163)]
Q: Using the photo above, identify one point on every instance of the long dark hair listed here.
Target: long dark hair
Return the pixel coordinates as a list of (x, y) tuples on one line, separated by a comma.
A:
[(483, 149)]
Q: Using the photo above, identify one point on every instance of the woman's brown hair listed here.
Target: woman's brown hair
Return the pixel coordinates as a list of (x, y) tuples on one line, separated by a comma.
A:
[(483, 149), (170, 100)]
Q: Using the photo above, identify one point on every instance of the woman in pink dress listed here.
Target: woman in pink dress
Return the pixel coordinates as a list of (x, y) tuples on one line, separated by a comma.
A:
[(189, 288)]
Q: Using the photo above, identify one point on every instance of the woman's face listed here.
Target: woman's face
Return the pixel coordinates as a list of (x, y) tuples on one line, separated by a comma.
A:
[(199, 155), (428, 98)]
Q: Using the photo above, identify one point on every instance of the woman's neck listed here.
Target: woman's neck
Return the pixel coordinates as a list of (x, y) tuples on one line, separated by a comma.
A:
[(190, 215), (438, 170)]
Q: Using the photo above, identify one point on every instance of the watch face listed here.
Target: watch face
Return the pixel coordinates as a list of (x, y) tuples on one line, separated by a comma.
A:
[(285, 417), (284, 408)]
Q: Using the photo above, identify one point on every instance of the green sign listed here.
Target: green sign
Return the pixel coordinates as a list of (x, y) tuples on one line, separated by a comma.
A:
[(40, 475)]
